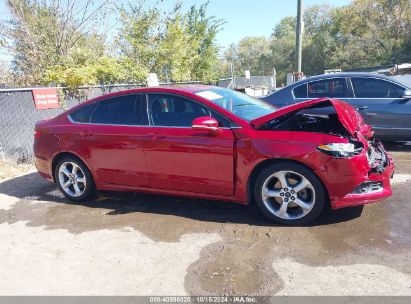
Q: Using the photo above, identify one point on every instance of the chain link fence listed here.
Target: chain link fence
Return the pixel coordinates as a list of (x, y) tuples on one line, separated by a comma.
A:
[(18, 116)]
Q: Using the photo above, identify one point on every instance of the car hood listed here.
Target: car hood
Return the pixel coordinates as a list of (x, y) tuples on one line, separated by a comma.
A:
[(347, 114)]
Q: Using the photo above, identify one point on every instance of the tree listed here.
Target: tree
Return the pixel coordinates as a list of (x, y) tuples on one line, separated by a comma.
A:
[(45, 35), (364, 33), (283, 47), (63, 42), (203, 30), (176, 52), (138, 39), (176, 45), (251, 53), (371, 32), (318, 43)]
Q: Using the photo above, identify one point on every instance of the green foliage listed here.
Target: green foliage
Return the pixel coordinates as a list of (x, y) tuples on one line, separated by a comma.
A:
[(283, 47), (176, 53), (138, 40), (60, 42), (54, 40), (371, 32), (202, 30), (177, 46), (63, 42), (74, 74), (251, 51)]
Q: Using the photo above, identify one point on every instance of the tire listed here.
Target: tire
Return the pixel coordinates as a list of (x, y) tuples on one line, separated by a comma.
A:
[(293, 194), (74, 179)]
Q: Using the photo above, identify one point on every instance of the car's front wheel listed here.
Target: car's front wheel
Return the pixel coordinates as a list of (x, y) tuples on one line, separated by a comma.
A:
[(289, 193), (74, 179)]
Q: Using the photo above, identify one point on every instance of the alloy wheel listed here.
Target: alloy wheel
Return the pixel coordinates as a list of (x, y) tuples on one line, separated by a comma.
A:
[(288, 195), (72, 179)]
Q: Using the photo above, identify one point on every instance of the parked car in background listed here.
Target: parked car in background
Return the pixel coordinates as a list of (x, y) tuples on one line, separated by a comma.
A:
[(384, 102), (215, 143)]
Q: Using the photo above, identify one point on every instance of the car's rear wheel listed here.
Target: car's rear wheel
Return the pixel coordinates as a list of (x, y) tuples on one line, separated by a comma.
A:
[(74, 179), (289, 193)]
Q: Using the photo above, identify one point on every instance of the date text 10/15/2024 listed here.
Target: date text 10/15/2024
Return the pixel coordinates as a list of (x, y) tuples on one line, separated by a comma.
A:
[(204, 299)]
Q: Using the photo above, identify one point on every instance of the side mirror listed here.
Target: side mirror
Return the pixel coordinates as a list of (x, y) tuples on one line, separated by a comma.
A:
[(406, 94), (205, 123)]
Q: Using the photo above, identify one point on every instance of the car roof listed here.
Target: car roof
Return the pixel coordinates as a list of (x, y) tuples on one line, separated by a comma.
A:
[(343, 74), (189, 88), (172, 88), (175, 89)]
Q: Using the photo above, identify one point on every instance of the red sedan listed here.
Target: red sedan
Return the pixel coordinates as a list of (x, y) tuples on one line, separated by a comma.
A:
[(214, 143)]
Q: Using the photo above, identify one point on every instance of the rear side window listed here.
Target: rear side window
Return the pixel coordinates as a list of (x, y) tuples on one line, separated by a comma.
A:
[(376, 88), (300, 91), (327, 88), (121, 110), (83, 114)]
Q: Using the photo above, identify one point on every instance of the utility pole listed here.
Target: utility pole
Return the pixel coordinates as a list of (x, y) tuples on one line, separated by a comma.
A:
[(232, 71), (232, 75), (299, 34)]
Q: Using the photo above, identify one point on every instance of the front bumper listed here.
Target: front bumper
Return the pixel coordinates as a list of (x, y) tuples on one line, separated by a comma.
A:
[(356, 199), (343, 177)]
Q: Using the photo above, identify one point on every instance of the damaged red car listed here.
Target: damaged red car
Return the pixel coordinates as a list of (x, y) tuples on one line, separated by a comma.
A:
[(214, 143)]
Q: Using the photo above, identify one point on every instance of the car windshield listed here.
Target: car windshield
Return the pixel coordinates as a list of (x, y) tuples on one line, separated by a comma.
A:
[(239, 104)]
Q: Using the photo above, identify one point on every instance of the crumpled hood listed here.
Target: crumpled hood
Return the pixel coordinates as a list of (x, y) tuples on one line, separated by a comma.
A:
[(347, 114)]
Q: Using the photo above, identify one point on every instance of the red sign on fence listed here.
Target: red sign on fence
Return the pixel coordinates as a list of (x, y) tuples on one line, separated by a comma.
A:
[(45, 98)]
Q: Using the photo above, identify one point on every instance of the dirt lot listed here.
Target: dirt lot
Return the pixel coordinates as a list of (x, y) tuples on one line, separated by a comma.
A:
[(11, 169), (136, 244)]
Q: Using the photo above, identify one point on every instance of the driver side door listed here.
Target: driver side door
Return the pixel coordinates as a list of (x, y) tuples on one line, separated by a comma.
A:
[(181, 158)]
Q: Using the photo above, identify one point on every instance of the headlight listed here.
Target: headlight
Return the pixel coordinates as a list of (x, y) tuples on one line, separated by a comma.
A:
[(339, 150)]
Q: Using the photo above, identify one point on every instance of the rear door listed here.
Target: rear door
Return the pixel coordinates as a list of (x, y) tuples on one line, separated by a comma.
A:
[(381, 104), (181, 158), (112, 140)]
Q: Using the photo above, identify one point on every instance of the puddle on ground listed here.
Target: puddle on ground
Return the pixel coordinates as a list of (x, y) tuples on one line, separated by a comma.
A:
[(242, 262)]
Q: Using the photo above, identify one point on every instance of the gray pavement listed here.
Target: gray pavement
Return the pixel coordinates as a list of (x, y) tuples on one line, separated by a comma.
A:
[(138, 244)]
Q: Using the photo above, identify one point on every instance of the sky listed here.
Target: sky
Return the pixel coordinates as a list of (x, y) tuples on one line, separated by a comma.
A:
[(242, 17), (253, 17)]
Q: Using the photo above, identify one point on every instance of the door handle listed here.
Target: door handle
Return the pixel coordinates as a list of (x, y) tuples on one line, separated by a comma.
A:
[(359, 108), (156, 135), (85, 134)]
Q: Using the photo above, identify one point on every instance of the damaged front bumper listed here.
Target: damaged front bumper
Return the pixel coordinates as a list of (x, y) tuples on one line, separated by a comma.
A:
[(380, 189), (359, 180)]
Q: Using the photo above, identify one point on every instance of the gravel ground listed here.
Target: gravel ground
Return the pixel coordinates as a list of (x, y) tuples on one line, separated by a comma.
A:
[(137, 244)]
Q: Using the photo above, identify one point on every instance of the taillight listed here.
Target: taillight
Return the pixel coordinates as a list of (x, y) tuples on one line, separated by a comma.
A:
[(37, 133)]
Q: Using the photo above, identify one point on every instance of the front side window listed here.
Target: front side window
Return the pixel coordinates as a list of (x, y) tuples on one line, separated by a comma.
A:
[(121, 110), (241, 105), (376, 88), (173, 110), (327, 88)]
